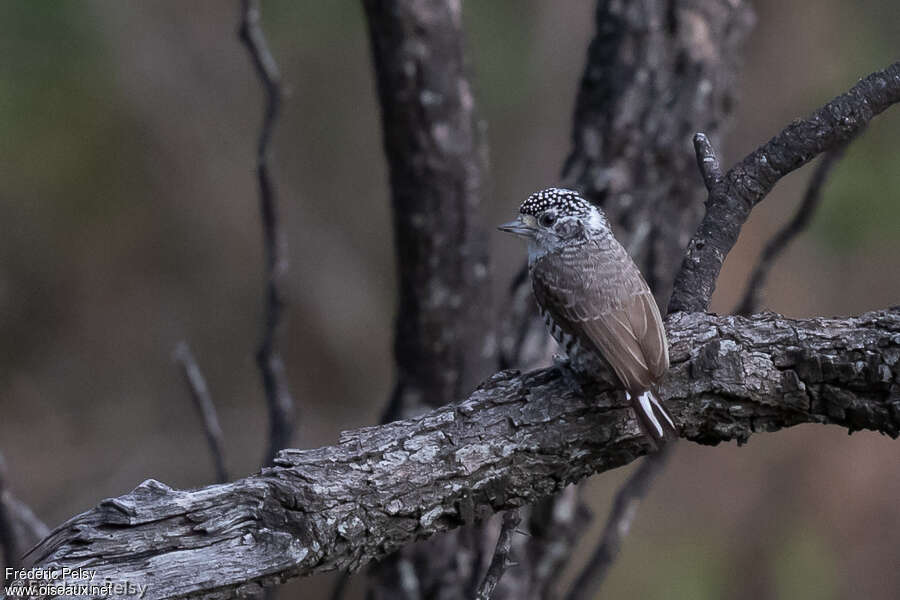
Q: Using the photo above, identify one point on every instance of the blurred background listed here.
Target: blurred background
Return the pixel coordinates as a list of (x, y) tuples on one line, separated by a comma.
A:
[(129, 221)]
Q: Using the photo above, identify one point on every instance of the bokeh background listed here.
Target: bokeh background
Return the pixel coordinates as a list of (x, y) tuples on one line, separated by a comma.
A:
[(128, 222)]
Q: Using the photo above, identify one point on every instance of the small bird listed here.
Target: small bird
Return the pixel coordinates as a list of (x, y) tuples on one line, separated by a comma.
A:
[(594, 299)]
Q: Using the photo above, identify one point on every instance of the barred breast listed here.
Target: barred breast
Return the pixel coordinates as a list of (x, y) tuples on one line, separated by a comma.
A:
[(567, 342)]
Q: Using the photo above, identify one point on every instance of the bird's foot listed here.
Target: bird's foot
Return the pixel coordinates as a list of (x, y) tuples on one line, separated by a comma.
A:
[(561, 361)]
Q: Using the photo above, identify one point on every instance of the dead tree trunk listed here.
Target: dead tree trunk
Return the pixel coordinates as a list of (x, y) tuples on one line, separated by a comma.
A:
[(444, 341)]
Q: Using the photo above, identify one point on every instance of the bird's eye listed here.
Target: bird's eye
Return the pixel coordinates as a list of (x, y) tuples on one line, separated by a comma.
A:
[(547, 219)]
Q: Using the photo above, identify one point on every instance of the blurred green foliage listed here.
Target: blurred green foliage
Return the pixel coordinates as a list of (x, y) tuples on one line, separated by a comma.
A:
[(805, 568), (861, 202), (693, 570), (59, 110)]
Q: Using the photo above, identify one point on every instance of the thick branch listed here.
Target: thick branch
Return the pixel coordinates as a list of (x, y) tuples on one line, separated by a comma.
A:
[(516, 439), (748, 182)]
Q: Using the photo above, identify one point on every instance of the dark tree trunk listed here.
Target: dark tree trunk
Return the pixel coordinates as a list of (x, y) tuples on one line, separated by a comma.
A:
[(657, 72), (436, 157), (444, 341)]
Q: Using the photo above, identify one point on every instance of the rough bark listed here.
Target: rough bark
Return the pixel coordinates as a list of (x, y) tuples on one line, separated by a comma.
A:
[(444, 336), (516, 439), (436, 160), (656, 72), (747, 183)]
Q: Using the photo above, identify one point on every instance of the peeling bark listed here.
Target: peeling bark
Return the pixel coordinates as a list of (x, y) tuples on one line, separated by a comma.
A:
[(516, 439)]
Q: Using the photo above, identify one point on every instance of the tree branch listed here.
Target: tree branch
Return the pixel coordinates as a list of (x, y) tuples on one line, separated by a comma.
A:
[(707, 162), (278, 397), (9, 542), (196, 384), (750, 302), (748, 182), (436, 157), (518, 438), (500, 561), (19, 526)]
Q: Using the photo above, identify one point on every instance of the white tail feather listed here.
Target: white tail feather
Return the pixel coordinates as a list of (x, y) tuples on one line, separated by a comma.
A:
[(644, 399), (647, 407), (662, 409)]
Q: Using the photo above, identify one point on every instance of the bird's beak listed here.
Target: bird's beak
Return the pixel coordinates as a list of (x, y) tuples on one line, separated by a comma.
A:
[(517, 227)]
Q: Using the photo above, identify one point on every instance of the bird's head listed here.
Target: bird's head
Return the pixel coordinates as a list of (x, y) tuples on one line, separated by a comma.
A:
[(555, 217)]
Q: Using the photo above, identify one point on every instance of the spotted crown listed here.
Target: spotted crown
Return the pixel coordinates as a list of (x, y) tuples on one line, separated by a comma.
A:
[(567, 202)]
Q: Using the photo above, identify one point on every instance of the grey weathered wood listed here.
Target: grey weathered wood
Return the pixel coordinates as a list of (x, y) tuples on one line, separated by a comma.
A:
[(517, 438), (436, 154)]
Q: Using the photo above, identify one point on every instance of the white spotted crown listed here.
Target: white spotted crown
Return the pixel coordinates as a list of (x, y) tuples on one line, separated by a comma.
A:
[(567, 202)]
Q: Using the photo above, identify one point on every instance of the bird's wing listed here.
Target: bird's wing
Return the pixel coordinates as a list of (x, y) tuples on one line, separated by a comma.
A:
[(601, 299)]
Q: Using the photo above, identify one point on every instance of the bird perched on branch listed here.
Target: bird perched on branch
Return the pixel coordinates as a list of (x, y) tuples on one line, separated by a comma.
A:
[(594, 299)]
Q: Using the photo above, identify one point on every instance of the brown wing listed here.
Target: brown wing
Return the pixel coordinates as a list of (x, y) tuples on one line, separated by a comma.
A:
[(595, 293)]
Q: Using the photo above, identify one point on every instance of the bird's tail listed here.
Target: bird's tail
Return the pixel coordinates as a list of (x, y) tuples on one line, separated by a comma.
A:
[(655, 420)]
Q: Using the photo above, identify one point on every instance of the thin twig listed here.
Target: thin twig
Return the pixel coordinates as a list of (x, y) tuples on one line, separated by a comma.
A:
[(29, 528), (501, 561), (278, 397), (811, 199), (203, 401), (8, 542), (624, 508), (20, 528), (707, 161)]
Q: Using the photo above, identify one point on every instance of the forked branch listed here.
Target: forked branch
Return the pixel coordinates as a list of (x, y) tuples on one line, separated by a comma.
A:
[(748, 182)]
